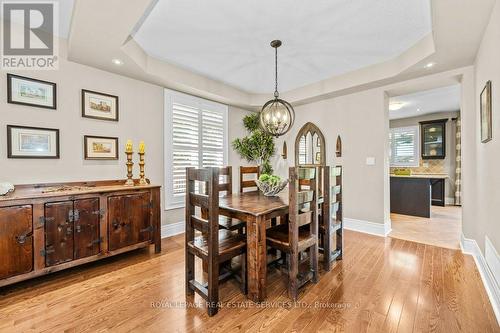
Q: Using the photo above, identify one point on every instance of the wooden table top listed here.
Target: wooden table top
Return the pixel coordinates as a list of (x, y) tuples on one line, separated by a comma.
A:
[(34, 191), (254, 203)]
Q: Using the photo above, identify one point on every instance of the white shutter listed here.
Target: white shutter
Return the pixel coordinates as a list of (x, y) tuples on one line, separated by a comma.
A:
[(195, 136), (404, 148)]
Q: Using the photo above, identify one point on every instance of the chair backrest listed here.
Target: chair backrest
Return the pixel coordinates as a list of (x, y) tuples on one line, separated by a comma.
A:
[(245, 183), (331, 194), (303, 203), (226, 184), (206, 197)]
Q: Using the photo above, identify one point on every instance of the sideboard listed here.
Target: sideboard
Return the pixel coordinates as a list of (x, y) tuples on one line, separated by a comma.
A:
[(46, 228)]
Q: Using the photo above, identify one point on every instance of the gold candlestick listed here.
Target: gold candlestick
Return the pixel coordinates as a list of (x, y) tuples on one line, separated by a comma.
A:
[(142, 178), (129, 150), (130, 164)]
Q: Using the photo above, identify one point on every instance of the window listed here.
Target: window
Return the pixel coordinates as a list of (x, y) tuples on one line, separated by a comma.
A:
[(404, 150), (195, 136)]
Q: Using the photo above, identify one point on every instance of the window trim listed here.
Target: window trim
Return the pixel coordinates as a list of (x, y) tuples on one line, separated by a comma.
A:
[(169, 97), (415, 128)]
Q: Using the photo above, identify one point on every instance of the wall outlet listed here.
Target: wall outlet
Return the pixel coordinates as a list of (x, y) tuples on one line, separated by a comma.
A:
[(370, 161), (425, 164)]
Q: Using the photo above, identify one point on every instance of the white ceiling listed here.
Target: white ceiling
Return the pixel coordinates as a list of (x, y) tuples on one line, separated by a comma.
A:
[(65, 13), (443, 99), (228, 40)]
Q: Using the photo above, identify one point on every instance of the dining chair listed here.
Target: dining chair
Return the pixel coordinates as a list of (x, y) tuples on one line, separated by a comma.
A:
[(300, 234), (330, 221), (205, 240), (245, 183), (226, 185)]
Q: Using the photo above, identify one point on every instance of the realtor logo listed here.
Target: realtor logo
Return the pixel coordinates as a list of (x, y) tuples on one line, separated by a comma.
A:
[(28, 40)]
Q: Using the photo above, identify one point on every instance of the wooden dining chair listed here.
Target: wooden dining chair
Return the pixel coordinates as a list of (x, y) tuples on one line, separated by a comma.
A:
[(300, 234), (226, 185), (245, 183), (330, 221), (212, 245)]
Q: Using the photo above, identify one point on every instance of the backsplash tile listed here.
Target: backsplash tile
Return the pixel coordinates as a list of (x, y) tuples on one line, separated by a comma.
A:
[(434, 166)]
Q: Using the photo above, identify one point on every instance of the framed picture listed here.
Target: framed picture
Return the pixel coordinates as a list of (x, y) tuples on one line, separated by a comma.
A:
[(486, 121), (31, 92), (100, 147), (99, 106), (32, 142)]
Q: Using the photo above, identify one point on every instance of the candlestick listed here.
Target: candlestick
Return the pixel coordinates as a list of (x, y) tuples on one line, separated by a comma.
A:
[(142, 178), (129, 181)]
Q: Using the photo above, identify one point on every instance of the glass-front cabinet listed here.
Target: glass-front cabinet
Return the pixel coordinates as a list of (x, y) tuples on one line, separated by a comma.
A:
[(433, 139)]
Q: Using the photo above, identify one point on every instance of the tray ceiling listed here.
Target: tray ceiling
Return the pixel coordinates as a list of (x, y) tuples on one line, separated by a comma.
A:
[(443, 99), (228, 40)]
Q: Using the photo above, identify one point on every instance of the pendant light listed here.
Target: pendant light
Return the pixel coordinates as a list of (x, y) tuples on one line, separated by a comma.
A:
[(277, 115)]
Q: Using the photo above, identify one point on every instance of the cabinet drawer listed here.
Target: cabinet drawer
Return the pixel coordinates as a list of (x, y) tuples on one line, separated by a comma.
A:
[(16, 240)]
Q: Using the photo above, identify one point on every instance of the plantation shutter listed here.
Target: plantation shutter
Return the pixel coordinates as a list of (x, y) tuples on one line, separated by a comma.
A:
[(196, 136), (404, 146)]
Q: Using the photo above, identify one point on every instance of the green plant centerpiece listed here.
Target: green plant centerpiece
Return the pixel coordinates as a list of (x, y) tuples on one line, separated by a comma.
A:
[(270, 185), (258, 146)]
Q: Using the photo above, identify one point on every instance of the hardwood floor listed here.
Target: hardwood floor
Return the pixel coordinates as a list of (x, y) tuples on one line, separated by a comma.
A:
[(442, 229), (381, 285)]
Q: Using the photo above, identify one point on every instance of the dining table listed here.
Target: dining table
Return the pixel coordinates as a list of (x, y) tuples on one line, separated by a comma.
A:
[(256, 210)]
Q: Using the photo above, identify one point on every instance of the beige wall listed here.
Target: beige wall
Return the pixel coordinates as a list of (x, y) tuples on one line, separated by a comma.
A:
[(483, 218), (361, 120), (447, 165), (141, 118)]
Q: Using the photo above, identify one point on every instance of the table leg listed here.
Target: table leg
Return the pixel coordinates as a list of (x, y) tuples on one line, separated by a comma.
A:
[(256, 258)]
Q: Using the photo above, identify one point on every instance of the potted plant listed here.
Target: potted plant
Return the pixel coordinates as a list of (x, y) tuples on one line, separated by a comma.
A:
[(258, 147)]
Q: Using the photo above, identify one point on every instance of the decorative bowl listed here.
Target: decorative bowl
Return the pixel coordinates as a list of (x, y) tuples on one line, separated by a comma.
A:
[(271, 190)]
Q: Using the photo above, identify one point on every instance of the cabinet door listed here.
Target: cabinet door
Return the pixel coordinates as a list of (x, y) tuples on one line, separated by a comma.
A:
[(129, 220), (16, 240), (58, 232), (87, 242)]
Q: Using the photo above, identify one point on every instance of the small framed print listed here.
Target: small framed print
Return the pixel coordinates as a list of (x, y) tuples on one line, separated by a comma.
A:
[(32, 142), (486, 118), (99, 105), (31, 92), (100, 147)]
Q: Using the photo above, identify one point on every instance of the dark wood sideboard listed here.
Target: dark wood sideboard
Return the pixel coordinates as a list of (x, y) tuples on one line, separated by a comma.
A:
[(46, 228)]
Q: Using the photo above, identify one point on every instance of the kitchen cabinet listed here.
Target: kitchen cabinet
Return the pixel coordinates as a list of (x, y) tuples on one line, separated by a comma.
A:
[(433, 139)]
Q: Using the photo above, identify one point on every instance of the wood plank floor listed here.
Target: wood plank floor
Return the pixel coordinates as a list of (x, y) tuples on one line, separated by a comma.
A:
[(443, 228), (381, 285)]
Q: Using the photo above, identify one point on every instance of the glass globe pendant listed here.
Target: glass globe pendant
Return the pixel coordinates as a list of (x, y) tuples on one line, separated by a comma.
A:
[(277, 115)]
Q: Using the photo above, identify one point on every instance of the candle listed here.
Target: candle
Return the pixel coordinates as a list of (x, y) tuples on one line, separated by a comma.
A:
[(128, 146), (142, 147)]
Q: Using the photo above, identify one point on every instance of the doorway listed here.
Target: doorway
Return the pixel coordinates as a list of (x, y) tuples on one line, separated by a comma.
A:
[(425, 166)]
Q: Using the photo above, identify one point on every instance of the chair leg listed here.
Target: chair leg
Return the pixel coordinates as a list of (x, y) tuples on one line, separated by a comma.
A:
[(189, 273), (293, 272), (213, 287), (244, 283), (314, 261), (326, 240)]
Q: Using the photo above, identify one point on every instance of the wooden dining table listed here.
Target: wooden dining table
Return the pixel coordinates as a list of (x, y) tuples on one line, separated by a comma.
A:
[(256, 210)]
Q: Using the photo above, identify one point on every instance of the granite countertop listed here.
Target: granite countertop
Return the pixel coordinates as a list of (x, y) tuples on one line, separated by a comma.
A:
[(423, 175)]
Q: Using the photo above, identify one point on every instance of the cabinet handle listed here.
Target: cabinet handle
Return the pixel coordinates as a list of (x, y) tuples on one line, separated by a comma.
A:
[(115, 224), (21, 239)]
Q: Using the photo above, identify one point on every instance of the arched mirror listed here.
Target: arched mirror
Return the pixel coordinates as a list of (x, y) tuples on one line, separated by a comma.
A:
[(310, 146)]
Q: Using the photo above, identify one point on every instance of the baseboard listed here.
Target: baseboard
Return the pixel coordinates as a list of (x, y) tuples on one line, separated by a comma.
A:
[(469, 246), (450, 201), (367, 227), (172, 229)]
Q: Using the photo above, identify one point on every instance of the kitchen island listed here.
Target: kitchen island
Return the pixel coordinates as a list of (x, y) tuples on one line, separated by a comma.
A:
[(413, 194)]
